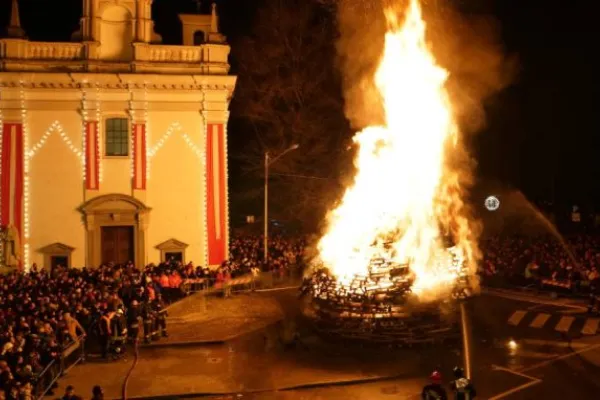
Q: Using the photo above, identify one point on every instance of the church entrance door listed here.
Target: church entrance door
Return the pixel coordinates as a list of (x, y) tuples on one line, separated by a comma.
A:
[(117, 244)]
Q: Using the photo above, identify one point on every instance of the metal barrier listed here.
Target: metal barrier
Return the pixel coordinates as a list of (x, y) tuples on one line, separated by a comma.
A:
[(72, 354), (285, 277), (540, 286)]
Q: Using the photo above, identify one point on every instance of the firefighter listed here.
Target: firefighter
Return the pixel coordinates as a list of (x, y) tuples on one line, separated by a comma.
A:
[(158, 306), (104, 333), (434, 390), (118, 327), (593, 303), (148, 318), (133, 320), (463, 389)]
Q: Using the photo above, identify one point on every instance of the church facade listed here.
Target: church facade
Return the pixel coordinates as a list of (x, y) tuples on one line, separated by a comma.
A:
[(113, 147)]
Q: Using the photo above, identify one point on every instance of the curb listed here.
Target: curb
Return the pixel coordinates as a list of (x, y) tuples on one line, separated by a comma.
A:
[(213, 342), (185, 343), (307, 386), (276, 289), (541, 299)]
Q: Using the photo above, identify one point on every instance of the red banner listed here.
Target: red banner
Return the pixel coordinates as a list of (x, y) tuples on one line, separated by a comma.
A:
[(92, 156), (139, 156), (11, 177), (216, 202)]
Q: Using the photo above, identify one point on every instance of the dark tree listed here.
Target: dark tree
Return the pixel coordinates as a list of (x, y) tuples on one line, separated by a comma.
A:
[(289, 93)]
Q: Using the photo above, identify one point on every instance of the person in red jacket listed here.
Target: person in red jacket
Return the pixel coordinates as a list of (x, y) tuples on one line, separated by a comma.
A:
[(175, 284), (164, 281), (165, 286)]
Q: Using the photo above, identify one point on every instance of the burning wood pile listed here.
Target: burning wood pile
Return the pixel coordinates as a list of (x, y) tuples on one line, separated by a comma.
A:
[(387, 272), (381, 306)]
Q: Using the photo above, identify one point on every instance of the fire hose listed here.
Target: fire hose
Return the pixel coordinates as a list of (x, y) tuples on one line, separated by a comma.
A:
[(135, 361)]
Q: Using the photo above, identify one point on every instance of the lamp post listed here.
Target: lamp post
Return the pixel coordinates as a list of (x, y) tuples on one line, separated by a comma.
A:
[(269, 161)]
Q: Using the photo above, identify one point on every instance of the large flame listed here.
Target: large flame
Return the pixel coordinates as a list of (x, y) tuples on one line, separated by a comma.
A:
[(406, 200)]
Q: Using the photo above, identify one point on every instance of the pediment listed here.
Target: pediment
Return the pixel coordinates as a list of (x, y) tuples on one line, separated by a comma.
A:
[(113, 203), (56, 248), (171, 244)]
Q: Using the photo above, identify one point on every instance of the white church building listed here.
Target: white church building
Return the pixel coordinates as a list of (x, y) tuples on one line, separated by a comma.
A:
[(113, 147)]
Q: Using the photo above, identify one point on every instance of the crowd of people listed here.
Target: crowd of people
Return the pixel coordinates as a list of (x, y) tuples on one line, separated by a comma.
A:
[(571, 262), (44, 312)]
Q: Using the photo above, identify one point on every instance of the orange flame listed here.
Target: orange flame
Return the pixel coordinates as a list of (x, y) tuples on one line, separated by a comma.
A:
[(405, 194)]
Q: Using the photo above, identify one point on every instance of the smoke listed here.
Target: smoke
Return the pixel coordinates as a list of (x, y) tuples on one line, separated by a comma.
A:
[(362, 27), (469, 47)]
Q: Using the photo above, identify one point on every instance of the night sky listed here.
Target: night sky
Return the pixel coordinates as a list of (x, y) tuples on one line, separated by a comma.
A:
[(542, 135)]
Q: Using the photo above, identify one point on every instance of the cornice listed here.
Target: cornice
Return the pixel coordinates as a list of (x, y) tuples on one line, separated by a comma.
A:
[(53, 85)]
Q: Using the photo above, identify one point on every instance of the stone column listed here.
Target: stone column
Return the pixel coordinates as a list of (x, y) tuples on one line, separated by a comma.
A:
[(90, 241), (141, 248)]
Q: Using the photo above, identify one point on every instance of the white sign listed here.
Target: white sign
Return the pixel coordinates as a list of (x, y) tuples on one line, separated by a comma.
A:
[(492, 203)]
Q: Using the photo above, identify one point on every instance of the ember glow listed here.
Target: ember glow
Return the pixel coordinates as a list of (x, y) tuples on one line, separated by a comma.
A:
[(406, 199)]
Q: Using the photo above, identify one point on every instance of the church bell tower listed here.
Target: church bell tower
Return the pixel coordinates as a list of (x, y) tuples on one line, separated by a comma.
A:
[(104, 20)]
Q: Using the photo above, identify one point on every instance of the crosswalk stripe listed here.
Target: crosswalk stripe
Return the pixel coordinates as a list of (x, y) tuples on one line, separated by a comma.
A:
[(591, 326), (516, 317), (540, 320), (564, 324)]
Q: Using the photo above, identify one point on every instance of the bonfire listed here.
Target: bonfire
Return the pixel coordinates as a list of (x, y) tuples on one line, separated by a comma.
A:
[(401, 229)]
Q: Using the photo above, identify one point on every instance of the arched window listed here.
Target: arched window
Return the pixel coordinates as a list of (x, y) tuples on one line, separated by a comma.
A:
[(199, 38)]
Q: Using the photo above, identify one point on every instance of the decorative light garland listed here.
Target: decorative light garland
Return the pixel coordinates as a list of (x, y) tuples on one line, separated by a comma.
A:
[(146, 130), (192, 146), (175, 126), (204, 194), (225, 161), (131, 138), (99, 148), (1, 224), (84, 128), (161, 142), (55, 127), (26, 182)]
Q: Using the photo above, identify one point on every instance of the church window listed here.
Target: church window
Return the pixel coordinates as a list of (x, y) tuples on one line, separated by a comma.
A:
[(117, 137)]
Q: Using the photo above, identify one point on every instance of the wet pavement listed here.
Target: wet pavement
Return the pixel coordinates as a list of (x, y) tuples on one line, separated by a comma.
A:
[(515, 362), (199, 319)]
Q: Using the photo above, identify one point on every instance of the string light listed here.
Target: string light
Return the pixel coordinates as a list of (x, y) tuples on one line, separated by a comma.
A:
[(161, 142), (225, 161), (99, 148), (54, 127), (26, 186), (192, 146), (133, 135), (204, 194), (1, 223), (83, 128), (146, 130), (175, 127)]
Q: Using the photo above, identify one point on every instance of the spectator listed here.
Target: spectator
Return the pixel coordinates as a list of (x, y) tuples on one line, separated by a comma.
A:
[(43, 312), (97, 393), (70, 394)]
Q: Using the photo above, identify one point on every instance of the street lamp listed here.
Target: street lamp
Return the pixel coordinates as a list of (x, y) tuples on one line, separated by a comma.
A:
[(269, 161)]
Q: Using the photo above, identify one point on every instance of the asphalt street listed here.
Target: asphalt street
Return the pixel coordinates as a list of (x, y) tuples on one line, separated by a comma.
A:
[(520, 349)]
